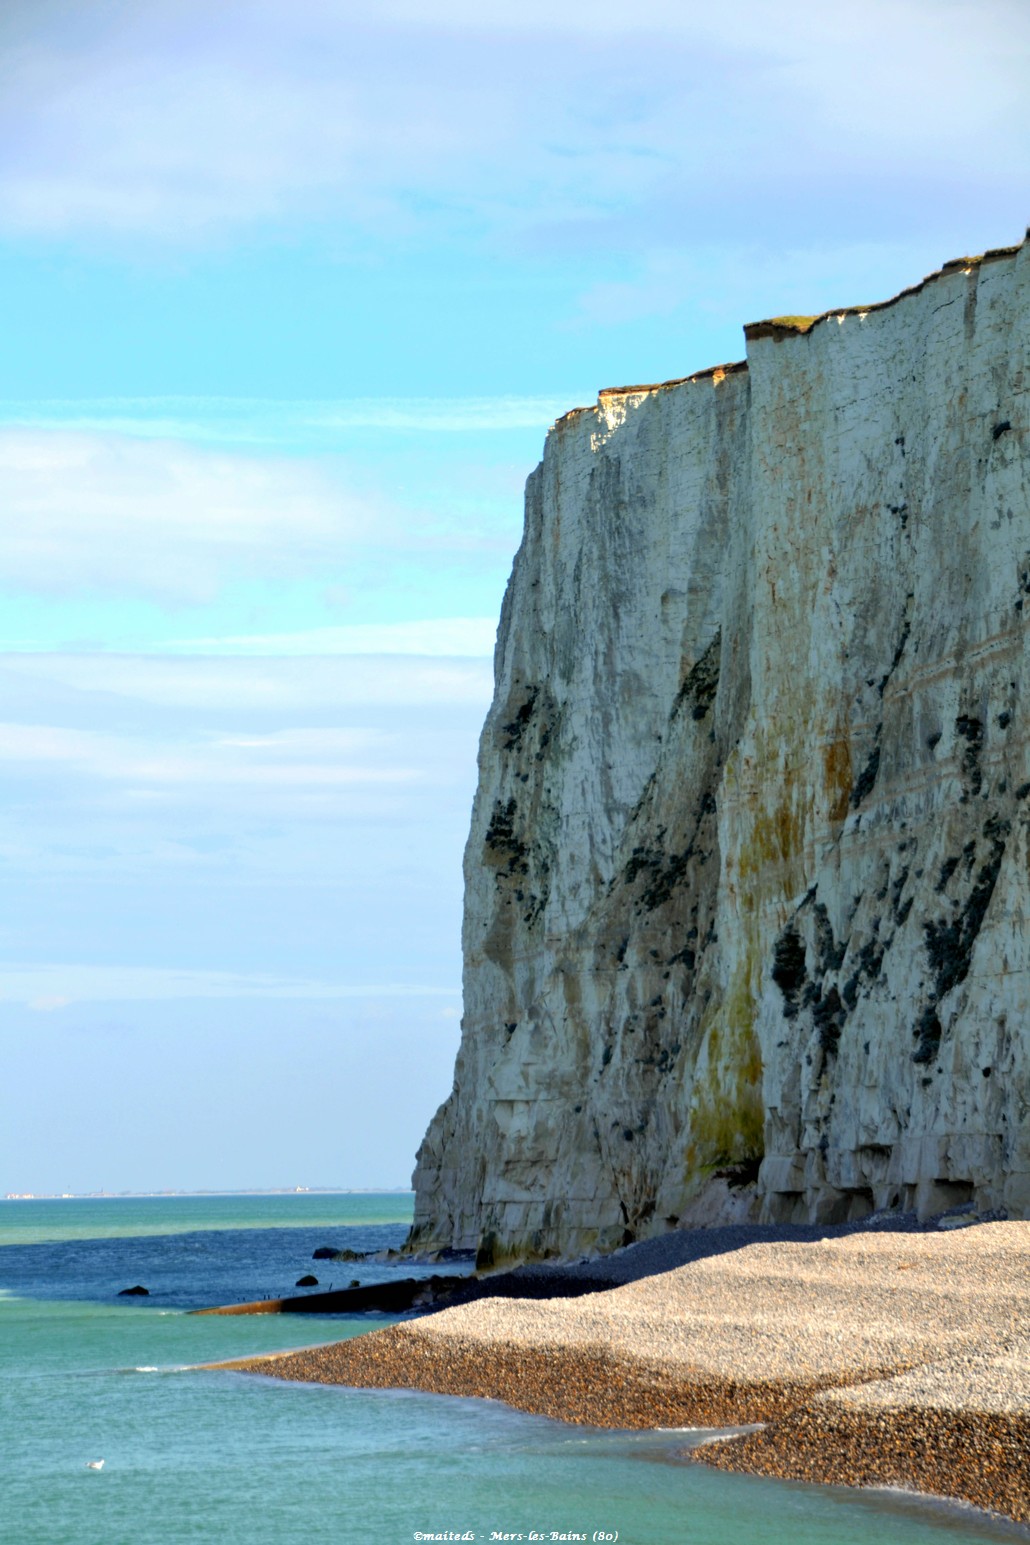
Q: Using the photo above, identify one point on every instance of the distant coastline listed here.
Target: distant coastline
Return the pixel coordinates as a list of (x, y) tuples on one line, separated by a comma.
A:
[(116, 1196)]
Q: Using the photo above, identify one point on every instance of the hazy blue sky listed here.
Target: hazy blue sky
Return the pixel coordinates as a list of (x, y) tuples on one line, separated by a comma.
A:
[(292, 290)]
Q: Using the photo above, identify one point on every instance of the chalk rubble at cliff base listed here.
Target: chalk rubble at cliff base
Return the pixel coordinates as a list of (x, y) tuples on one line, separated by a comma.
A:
[(876, 1358)]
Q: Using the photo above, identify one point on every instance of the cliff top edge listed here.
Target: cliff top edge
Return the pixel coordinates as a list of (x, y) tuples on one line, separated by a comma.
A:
[(780, 327)]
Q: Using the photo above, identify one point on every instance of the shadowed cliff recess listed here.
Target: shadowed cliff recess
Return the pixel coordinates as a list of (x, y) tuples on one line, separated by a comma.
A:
[(747, 878)]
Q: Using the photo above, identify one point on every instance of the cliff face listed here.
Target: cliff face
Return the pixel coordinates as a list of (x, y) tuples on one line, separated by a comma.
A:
[(747, 878)]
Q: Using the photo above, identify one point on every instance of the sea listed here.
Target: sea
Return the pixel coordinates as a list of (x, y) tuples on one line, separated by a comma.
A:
[(199, 1454)]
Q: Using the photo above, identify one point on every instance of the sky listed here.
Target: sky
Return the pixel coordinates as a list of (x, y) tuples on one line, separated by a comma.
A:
[(292, 291)]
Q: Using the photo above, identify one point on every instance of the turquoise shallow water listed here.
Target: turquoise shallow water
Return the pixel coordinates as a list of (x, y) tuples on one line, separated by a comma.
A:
[(194, 1454), (111, 1217)]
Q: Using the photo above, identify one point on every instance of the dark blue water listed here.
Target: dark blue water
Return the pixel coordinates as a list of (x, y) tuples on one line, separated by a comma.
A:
[(197, 1270)]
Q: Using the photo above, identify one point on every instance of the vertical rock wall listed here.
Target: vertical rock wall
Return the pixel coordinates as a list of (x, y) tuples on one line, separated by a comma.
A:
[(747, 875)]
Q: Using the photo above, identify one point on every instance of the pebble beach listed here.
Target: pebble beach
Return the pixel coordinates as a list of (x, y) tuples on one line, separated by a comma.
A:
[(879, 1357)]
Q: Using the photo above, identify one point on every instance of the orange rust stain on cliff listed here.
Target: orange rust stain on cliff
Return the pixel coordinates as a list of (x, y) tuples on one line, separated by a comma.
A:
[(714, 373), (777, 836), (837, 778)]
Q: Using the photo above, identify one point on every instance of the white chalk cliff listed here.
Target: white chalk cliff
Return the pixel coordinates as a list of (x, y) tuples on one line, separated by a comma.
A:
[(747, 883)]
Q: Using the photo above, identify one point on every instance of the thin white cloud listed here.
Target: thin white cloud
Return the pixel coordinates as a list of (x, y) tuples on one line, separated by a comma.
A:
[(107, 512), (270, 422), (305, 742), (53, 986), (147, 750), (263, 685), (444, 636), (96, 514), (298, 759)]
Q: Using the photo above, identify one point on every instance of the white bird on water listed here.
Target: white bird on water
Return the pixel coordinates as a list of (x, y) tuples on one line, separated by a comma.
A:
[(94, 1464)]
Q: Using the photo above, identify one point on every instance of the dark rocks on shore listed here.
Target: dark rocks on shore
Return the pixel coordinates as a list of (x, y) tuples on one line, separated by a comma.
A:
[(550, 1279), (426, 1293), (307, 1281), (135, 1292)]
